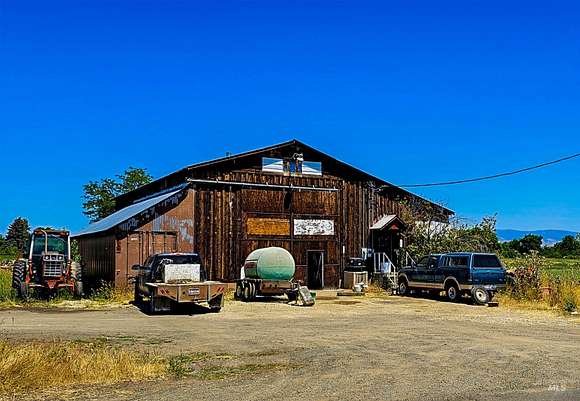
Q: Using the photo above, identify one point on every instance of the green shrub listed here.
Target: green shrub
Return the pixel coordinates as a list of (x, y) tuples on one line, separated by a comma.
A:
[(6, 290)]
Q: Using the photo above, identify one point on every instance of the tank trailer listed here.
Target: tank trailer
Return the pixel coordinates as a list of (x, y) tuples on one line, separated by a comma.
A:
[(270, 272)]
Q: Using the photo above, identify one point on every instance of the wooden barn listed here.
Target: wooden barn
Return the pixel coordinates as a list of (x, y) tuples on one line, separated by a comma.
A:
[(291, 195)]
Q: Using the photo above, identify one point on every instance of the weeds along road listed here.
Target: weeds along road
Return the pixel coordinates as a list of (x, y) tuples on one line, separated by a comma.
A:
[(361, 349)]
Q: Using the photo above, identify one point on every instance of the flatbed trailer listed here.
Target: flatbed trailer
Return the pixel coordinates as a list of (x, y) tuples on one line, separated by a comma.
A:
[(164, 296)]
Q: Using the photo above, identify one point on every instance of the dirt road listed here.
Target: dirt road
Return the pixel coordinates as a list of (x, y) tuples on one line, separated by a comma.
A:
[(360, 349)]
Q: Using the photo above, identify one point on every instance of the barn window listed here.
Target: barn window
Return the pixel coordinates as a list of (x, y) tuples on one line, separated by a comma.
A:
[(294, 165)]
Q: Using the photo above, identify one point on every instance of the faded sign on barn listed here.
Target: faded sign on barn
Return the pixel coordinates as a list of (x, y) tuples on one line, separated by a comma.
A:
[(313, 227)]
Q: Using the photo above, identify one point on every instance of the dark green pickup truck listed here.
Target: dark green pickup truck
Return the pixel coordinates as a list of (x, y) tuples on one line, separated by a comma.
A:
[(479, 275)]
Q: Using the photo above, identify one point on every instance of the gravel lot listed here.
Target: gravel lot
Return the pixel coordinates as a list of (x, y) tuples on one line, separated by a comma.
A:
[(343, 348)]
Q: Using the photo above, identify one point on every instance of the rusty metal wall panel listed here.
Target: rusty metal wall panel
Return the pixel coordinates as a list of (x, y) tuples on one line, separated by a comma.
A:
[(98, 257)]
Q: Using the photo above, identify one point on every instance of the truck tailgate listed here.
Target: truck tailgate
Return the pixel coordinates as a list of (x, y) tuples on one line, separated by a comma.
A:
[(189, 292)]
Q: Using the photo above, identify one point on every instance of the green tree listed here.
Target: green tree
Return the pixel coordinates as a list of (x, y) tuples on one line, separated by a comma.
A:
[(99, 196), (530, 243), (7, 251), (569, 246), (17, 235)]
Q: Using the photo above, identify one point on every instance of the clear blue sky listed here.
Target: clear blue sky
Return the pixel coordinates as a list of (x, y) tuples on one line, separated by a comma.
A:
[(409, 91)]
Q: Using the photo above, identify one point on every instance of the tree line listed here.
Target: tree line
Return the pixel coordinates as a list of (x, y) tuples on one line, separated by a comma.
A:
[(568, 247)]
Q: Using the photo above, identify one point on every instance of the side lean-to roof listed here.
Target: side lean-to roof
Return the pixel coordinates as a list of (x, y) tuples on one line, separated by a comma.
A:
[(122, 216), (181, 175)]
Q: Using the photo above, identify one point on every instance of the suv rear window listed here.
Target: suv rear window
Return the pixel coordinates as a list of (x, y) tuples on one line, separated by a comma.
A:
[(486, 261)]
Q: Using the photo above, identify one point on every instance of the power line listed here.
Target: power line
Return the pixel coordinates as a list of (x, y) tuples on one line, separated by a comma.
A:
[(489, 177)]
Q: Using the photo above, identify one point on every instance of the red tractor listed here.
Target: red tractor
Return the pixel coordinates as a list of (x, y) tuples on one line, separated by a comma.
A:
[(49, 266)]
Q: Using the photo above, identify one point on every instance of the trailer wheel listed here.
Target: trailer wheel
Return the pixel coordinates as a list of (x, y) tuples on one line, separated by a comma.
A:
[(239, 294), (252, 290), (247, 292)]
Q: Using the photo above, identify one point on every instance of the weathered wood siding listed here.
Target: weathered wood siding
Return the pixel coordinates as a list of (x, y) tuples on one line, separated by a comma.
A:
[(225, 222)]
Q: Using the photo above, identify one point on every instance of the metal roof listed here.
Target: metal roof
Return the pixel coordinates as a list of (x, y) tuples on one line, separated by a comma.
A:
[(384, 221), (124, 214), (282, 145)]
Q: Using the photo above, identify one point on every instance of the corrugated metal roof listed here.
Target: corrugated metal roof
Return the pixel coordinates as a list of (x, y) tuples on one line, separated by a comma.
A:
[(383, 221), (124, 214)]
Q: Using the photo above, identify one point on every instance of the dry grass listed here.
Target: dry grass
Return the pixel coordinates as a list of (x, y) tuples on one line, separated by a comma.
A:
[(34, 366)]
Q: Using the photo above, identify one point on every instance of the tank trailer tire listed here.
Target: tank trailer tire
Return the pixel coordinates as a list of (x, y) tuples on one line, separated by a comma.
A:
[(247, 292), (252, 290), (239, 294)]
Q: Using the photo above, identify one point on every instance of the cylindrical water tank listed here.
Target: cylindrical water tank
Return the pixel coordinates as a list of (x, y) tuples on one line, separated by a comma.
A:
[(271, 263)]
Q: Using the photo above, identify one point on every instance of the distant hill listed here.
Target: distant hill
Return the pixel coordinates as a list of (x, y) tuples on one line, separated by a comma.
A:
[(550, 236)]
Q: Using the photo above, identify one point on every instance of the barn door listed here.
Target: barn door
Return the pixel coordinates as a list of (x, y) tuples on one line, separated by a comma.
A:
[(315, 269), (134, 252)]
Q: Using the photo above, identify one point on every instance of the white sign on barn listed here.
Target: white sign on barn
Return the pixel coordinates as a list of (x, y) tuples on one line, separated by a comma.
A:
[(313, 227)]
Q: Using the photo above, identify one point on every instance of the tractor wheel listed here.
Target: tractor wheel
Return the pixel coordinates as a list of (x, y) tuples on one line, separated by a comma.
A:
[(77, 275), (19, 278)]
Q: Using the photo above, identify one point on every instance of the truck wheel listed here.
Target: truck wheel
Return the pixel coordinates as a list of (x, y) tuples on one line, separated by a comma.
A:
[(480, 296), (403, 287), (215, 305), (452, 292), (252, 290), (138, 297), (152, 305)]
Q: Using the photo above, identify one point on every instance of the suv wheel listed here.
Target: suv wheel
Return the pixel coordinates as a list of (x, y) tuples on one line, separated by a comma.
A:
[(452, 293), (480, 296), (403, 287)]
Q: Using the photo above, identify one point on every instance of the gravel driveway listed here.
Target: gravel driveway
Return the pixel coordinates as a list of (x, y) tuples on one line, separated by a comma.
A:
[(343, 348)]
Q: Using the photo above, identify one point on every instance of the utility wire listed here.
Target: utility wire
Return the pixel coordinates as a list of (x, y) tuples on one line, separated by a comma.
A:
[(489, 177)]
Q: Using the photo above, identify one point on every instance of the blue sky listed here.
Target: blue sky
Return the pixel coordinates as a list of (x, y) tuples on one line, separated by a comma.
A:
[(410, 91)]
